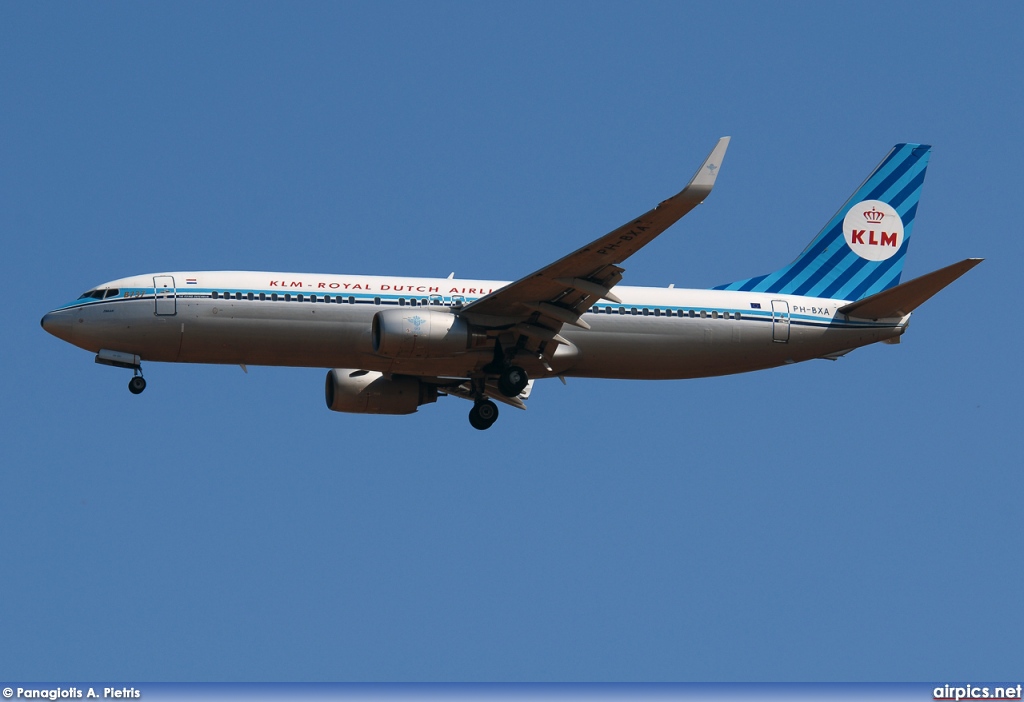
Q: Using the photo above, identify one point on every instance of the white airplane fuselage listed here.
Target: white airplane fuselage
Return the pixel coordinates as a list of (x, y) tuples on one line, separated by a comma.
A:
[(324, 321)]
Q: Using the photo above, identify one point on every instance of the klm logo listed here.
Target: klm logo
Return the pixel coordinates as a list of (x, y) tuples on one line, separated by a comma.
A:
[(873, 230)]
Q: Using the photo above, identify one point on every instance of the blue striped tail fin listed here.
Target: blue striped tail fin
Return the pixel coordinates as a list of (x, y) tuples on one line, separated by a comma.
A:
[(860, 251)]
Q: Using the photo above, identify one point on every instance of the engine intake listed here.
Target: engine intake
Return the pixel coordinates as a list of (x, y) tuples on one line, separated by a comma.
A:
[(417, 333), (369, 392)]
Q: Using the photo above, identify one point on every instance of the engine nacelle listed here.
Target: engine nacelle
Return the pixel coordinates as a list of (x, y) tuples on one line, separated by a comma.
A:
[(419, 333), (369, 392)]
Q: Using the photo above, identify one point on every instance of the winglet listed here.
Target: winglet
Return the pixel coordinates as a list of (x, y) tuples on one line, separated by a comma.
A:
[(708, 171)]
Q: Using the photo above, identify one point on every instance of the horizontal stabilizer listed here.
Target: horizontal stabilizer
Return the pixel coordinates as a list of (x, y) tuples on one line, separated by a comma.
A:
[(906, 297)]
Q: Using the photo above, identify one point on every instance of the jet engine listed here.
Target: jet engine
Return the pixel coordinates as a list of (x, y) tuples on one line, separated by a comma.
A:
[(369, 392), (418, 333)]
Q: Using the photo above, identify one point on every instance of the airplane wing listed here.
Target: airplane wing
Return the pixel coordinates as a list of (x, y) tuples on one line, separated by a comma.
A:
[(538, 305)]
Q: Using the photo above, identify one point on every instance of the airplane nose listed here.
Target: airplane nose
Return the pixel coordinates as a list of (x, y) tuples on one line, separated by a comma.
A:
[(57, 323)]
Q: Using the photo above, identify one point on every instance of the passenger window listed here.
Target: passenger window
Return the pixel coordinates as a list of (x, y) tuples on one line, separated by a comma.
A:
[(622, 310), (633, 310), (376, 300), (238, 296), (703, 314), (737, 315), (646, 311), (714, 314), (273, 297), (312, 298), (299, 298), (692, 314), (263, 297), (250, 296), (657, 312), (214, 295), (287, 297), (401, 302), (351, 300)]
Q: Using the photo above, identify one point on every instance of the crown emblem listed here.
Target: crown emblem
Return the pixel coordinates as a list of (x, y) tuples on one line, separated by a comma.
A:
[(873, 216)]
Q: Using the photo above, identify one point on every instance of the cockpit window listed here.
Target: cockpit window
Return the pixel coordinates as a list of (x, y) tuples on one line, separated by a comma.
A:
[(112, 292), (87, 293), (97, 294)]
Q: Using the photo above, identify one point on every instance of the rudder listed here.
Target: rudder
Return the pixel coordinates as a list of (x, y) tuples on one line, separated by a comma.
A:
[(861, 250)]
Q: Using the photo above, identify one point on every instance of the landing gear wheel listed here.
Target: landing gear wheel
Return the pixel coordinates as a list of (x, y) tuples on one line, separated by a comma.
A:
[(512, 381), (483, 414), (136, 385)]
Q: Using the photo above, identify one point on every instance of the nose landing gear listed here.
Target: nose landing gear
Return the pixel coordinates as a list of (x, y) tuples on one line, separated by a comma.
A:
[(120, 359), (137, 384)]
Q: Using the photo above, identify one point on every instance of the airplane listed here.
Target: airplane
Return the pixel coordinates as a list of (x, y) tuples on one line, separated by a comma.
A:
[(393, 344)]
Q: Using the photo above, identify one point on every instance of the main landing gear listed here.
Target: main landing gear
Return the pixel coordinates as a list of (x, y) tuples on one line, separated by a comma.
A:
[(483, 414), (512, 381)]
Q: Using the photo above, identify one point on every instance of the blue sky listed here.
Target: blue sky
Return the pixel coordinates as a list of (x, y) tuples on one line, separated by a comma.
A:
[(856, 520)]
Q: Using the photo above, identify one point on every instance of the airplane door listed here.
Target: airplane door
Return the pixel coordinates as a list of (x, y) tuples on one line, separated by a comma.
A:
[(780, 321), (163, 291)]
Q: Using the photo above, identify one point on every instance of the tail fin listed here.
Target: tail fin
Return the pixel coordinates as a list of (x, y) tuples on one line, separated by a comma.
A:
[(860, 251)]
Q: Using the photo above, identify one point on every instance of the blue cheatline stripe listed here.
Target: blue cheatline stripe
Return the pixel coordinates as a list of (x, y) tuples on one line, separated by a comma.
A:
[(747, 315), (828, 265)]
